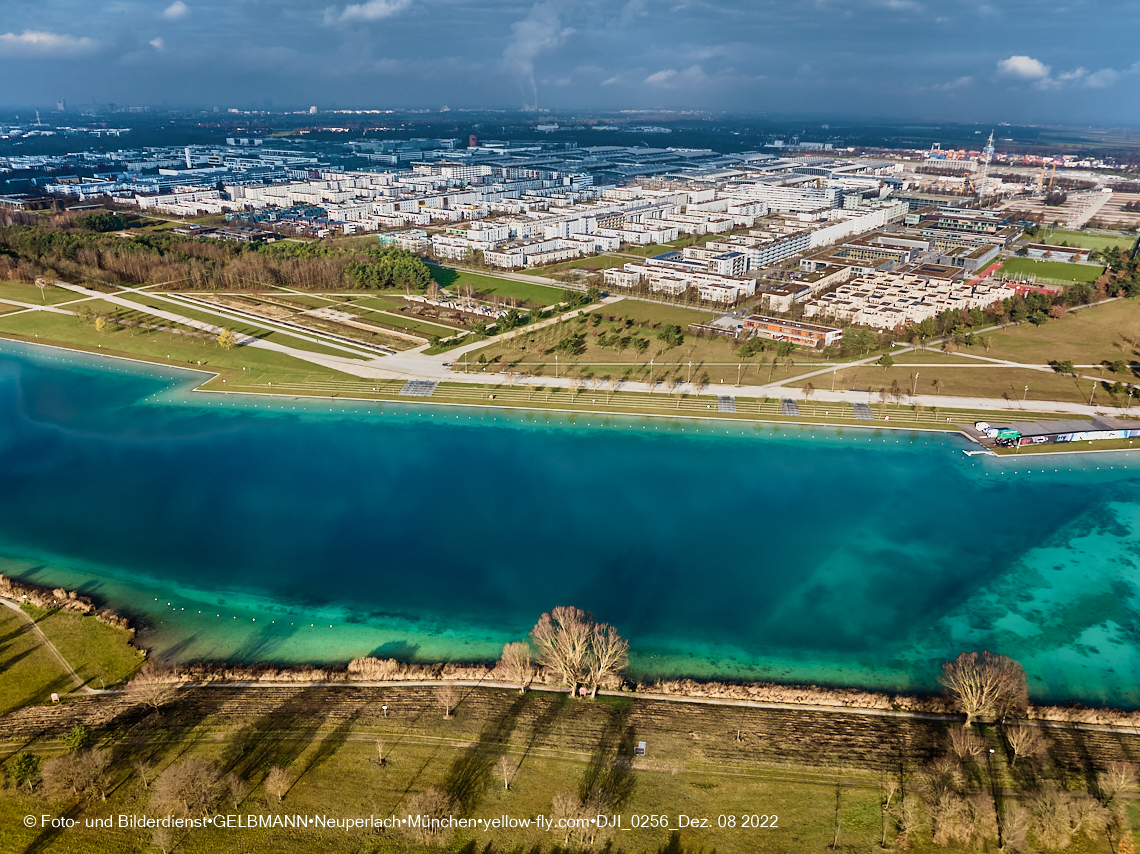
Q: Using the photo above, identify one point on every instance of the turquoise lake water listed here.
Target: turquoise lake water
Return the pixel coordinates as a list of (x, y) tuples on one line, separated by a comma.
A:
[(249, 528)]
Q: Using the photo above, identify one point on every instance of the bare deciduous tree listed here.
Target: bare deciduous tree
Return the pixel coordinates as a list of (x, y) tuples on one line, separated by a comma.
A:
[(505, 769), (579, 650), (516, 664), (1014, 826), (1117, 783), (964, 744), (1024, 741), (151, 686), (189, 787), (609, 655), (277, 782), (432, 804), (448, 699), (562, 638), (144, 769), (984, 683)]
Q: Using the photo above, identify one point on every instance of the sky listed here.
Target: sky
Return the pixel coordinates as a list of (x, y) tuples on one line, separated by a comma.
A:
[(954, 60)]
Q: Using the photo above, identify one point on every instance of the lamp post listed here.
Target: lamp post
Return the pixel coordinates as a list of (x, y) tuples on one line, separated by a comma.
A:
[(1025, 396), (914, 389), (651, 376), (739, 368)]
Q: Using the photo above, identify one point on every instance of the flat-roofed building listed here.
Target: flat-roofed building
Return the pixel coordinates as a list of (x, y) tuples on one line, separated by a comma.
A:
[(798, 332)]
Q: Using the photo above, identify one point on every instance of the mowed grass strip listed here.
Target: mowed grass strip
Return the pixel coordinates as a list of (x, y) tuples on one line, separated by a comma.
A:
[(95, 650), (489, 285), (29, 293), (1006, 386), (1090, 336), (154, 346), (29, 673), (1087, 239), (1052, 270)]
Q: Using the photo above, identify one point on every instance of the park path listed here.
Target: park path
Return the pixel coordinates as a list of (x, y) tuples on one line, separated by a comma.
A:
[(51, 647)]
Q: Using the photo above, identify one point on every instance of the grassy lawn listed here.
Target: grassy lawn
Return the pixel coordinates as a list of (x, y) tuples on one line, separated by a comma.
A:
[(29, 293), (645, 312), (29, 673), (960, 381), (538, 295), (594, 262), (634, 322), (813, 769), (94, 649), (162, 347), (1086, 337), (1052, 270), (239, 326), (1087, 239)]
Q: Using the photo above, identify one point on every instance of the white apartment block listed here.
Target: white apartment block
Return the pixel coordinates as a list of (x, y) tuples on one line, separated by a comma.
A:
[(674, 280), (896, 300)]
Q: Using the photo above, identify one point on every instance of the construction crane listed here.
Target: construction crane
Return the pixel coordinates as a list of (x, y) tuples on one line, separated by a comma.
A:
[(987, 156)]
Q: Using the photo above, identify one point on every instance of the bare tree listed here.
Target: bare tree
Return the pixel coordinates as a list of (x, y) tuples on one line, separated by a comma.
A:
[(448, 699), (609, 656), (1050, 819), (505, 770), (151, 686), (964, 744), (516, 664), (144, 769), (163, 839), (984, 683), (1117, 783), (189, 787), (277, 782), (432, 806), (1024, 741), (562, 638), (1014, 827)]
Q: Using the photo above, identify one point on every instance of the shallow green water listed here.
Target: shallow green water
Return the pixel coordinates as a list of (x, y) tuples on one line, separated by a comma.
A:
[(247, 528)]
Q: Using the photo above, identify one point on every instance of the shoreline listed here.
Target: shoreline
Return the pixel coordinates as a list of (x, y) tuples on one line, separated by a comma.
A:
[(510, 406), (371, 672)]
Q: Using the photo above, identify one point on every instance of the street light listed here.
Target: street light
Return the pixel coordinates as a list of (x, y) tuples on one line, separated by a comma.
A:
[(1026, 395), (914, 390)]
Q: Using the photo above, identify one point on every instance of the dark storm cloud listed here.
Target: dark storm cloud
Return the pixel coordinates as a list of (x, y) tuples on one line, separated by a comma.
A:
[(1012, 60)]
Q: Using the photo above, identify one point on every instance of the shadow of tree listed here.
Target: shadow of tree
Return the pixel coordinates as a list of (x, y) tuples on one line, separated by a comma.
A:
[(471, 772), (609, 779), (280, 736)]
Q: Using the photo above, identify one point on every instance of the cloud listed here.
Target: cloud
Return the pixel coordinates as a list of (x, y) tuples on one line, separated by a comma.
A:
[(1023, 68), (158, 44), (671, 78), (176, 10), (1041, 77), (960, 83), (1104, 77), (541, 30), (373, 10), (41, 43)]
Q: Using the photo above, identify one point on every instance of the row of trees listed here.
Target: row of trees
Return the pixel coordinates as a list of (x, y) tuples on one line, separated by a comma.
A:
[(80, 249), (571, 645)]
